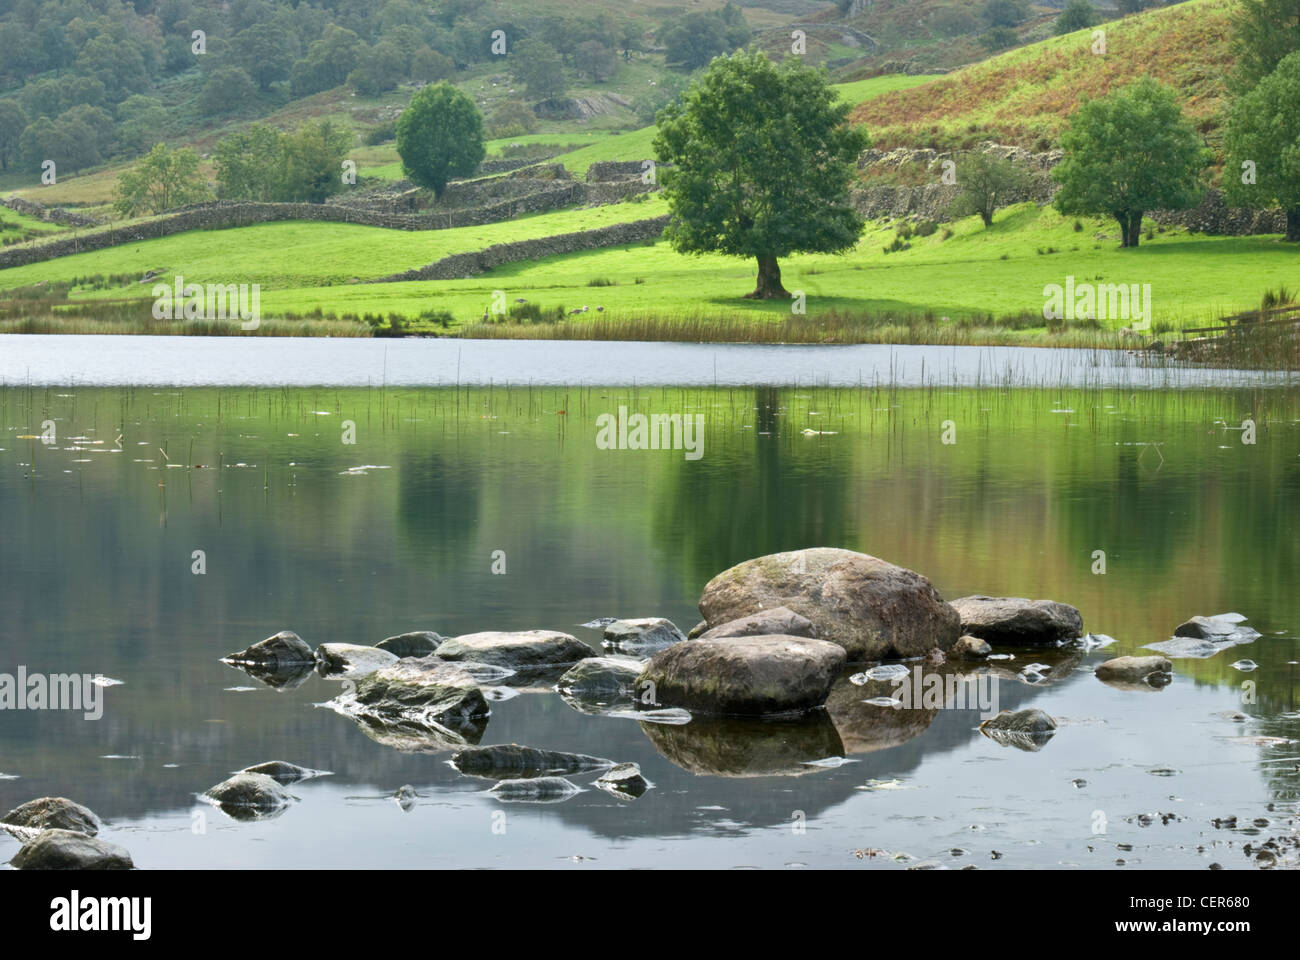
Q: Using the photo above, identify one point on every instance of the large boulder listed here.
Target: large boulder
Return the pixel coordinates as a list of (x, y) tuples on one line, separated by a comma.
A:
[(1017, 621), (284, 649), (744, 676), (71, 850), (417, 643), (518, 650), (53, 813), (870, 607), (641, 635), (781, 620)]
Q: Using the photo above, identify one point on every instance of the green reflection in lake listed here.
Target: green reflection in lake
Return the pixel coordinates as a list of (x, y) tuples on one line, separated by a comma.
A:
[(352, 542)]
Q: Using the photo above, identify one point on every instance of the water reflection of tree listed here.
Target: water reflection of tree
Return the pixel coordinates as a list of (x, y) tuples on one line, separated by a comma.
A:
[(755, 491)]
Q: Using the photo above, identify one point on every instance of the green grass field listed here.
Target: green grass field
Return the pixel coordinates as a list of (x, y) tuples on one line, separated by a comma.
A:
[(972, 275)]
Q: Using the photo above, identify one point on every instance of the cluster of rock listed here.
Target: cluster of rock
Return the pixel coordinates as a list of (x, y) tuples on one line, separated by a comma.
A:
[(58, 834)]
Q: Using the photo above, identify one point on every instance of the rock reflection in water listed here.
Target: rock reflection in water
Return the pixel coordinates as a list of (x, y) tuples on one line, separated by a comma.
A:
[(724, 747)]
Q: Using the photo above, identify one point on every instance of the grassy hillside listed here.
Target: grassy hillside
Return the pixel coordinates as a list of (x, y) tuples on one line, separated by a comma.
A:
[(1024, 96)]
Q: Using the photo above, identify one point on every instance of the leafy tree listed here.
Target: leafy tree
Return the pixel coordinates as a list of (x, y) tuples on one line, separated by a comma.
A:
[(986, 182), (1263, 33), (265, 52), (163, 180), (694, 39), (440, 137), (1129, 152), (1264, 132), (1077, 15), (512, 118), (629, 39), (1005, 13), (250, 164), (762, 159), (536, 64), (430, 66), (595, 59), (226, 90), (139, 118), (999, 38), (12, 123), (313, 161)]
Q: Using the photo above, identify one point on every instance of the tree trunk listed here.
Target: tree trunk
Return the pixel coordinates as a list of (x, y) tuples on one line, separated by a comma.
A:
[(769, 281), (987, 217), (1130, 226), (1293, 225)]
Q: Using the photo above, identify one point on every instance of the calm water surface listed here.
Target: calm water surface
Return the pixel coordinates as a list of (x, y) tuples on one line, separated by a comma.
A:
[(97, 532)]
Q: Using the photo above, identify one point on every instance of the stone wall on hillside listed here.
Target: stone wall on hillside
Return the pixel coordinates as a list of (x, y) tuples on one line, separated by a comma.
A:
[(931, 201), (227, 214), (49, 214), (460, 265)]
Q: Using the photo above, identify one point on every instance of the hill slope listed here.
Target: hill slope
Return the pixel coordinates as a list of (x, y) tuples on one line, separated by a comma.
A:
[(1023, 97)]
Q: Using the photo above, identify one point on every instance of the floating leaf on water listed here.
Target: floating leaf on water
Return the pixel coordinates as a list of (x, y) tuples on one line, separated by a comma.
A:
[(670, 715), (1245, 666), (886, 671), (828, 762), (884, 702), (359, 471), (886, 785)]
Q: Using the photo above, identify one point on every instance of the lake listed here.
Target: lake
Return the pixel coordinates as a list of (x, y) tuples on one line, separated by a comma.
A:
[(1002, 489)]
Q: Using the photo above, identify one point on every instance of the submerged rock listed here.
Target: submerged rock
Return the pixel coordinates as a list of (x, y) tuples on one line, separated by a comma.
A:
[(289, 676), (1210, 628), (284, 649), (284, 773), (53, 813), (518, 650), (1130, 670), (730, 747), (645, 634), (512, 762), (623, 780), (1027, 729), (406, 797), (971, 648), (744, 676), (1015, 620), (1202, 637), (537, 790), (417, 643), (351, 659), (252, 791), (778, 620), (58, 849), (870, 607), (601, 679)]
